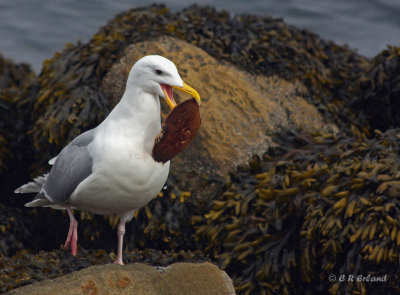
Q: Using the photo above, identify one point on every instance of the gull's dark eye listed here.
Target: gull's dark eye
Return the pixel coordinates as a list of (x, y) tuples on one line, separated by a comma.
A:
[(159, 72)]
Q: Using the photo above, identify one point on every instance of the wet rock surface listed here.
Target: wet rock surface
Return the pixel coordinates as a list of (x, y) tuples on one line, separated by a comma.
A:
[(286, 182)]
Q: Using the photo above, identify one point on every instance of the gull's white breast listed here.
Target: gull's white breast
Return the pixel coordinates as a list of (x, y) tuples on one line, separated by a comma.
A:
[(124, 175)]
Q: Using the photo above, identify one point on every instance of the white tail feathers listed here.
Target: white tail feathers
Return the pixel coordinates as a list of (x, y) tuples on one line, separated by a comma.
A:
[(42, 201), (32, 187)]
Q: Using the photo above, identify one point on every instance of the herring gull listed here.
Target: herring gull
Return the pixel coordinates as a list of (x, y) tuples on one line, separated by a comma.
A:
[(110, 169)]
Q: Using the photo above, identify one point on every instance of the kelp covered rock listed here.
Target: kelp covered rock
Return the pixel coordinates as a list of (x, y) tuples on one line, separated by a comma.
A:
[(319, 205), (239, 111), (14, 75), (6, 135), (14, 233), (378, 90), (14, 79), (69, 101)]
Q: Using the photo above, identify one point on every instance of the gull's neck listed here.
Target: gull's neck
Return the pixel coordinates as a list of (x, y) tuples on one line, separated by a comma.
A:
[(136, 116)]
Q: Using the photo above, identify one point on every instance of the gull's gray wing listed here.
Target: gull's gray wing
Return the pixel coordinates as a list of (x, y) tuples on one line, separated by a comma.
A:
[(71, 167)]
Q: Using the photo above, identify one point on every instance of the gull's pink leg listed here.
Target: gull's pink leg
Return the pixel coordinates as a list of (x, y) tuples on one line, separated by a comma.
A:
[(121, 232), (72, 238)]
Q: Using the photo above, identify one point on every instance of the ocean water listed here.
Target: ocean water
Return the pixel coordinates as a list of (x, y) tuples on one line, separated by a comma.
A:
[(32, 30)]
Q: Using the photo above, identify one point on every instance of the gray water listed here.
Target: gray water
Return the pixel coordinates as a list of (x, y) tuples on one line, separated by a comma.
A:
[(32, 30)]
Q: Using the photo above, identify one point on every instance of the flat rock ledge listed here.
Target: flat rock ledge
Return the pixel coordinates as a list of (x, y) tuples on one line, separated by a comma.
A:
[(140, 279)]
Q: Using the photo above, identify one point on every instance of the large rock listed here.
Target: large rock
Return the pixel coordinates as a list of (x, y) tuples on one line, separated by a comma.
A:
[(68, 100), (240, 111), (139, 279)]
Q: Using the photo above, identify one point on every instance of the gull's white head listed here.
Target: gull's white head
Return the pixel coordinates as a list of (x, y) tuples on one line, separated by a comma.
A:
[(157, 75)]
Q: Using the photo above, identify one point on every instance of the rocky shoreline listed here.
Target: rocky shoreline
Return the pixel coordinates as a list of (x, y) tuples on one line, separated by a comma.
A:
[(287, 182)]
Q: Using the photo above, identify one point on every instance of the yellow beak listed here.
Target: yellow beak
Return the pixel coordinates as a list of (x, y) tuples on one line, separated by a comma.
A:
[(187, 89)]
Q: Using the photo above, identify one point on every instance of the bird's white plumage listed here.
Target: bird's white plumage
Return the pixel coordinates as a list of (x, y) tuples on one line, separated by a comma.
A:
[(124, 175)]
